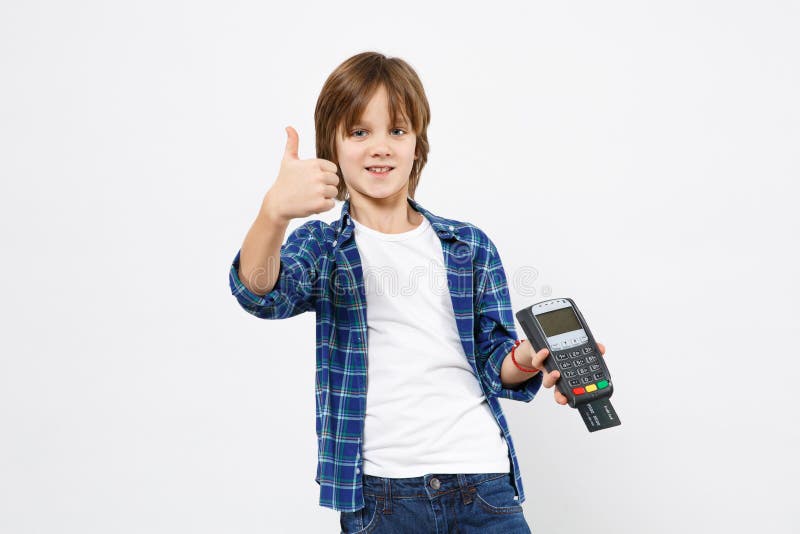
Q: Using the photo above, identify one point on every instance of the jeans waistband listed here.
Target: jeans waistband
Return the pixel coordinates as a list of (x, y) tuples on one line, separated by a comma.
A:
[(430, 486)]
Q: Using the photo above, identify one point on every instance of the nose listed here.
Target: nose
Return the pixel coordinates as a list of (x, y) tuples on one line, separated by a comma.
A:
[(381, 146)]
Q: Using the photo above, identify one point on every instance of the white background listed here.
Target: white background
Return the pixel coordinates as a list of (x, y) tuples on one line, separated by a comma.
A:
[(641, 156)]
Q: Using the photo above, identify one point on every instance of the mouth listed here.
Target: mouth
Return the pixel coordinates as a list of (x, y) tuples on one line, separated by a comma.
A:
[(379, 171)]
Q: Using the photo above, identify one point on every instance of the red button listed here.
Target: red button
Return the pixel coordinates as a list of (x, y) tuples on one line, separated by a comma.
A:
[(578, 391)]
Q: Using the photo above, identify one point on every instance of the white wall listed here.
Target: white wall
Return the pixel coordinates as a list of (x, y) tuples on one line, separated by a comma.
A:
[(641, 156)]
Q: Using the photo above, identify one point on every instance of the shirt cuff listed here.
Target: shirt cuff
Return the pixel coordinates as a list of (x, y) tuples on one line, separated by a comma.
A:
[(259, 305), (524, 392)]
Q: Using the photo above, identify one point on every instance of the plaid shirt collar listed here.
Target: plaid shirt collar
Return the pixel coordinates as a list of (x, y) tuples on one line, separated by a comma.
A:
[(444, 228)]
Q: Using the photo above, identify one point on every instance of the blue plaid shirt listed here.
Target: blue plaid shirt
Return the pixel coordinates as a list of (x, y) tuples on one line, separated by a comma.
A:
[(321, 271)]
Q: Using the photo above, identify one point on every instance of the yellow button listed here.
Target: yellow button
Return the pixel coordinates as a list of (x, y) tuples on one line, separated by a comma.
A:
[(590, 388)]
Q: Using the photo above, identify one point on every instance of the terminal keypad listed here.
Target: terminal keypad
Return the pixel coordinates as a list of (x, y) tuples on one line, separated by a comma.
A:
[(581, 368)]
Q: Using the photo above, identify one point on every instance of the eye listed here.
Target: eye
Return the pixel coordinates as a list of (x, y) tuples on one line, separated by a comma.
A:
[(355, 133)]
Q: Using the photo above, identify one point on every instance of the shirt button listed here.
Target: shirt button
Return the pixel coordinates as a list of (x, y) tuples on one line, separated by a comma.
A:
[(435, 484), (451, 228), (358, 470)]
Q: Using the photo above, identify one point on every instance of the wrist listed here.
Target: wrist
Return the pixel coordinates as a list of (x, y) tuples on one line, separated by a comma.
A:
[(270, 214), (522, 356)]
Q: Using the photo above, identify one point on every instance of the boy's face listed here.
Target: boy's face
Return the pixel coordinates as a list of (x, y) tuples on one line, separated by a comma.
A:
[(375, 142)]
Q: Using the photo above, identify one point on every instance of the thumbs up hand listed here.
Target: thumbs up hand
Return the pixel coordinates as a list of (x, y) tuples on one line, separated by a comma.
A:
[(303, 187)]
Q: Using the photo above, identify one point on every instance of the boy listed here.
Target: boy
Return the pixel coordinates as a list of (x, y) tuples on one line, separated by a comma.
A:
[(411, 434)]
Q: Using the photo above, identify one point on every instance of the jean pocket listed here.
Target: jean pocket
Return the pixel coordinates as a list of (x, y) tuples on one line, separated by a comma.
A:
[(361, 521), (497, 496)]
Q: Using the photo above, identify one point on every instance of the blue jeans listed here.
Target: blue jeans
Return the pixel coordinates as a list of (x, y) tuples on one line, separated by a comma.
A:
[(438, 504)]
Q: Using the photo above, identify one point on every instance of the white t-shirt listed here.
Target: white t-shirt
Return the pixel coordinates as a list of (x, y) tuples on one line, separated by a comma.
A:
[(426, 412)]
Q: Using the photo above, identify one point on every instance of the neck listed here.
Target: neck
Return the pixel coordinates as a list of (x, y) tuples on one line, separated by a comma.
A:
[(391, 215)]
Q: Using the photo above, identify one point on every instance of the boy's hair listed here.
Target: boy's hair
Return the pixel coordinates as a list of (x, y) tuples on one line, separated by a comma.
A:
[(348, 90)]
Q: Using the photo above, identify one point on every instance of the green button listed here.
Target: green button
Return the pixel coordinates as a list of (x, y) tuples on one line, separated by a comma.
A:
[(602, 384)]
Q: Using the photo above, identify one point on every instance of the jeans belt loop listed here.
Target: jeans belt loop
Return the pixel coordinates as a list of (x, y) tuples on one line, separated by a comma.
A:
[(466, 494)]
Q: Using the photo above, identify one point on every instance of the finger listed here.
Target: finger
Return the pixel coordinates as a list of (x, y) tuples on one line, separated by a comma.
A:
[(327, 166), (329, 178), (601, 348), (539, 358), (330, 191), (325, 205), (560, 398), (550, 379), (292, 141)]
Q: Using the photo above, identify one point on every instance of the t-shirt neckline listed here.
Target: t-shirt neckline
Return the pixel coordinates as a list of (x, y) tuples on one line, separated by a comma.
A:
[(424, 225)]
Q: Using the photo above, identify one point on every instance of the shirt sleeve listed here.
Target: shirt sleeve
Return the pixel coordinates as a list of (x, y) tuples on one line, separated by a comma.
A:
[(294, 291), (494, 330)]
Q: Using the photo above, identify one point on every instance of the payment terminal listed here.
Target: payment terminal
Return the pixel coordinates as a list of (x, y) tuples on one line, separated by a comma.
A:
[(558, 326)]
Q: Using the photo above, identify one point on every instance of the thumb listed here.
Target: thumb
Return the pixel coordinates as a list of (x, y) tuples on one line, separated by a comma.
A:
[(292, 140)]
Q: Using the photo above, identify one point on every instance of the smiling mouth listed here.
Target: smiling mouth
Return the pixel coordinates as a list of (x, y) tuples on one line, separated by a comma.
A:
[(379, 170)]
